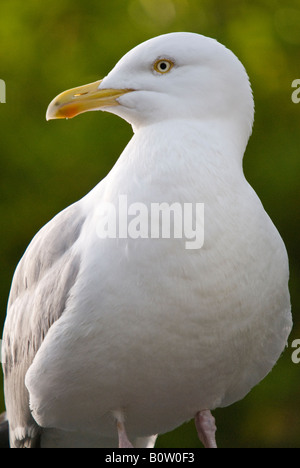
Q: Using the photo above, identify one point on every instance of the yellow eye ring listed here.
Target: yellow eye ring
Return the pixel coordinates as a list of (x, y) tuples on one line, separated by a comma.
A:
[(163, 66)]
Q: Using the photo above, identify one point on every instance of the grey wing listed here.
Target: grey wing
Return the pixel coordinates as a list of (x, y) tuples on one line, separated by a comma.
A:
[(40, 289)]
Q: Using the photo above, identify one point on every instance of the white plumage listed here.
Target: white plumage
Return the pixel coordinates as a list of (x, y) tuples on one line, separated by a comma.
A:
[(143, 331)]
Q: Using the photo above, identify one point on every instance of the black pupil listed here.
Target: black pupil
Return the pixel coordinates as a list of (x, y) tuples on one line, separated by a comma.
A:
[(163, 66)]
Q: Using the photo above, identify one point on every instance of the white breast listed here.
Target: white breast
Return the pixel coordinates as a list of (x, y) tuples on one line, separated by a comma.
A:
[(153, 329)]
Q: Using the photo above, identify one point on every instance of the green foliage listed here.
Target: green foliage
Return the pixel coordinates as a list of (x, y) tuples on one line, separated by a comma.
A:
[(46, 47)]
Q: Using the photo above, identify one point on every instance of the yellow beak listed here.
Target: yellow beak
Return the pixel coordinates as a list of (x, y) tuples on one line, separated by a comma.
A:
[(83, 99)]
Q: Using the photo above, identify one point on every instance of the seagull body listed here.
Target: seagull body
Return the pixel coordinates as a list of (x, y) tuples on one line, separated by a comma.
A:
[(142, 332)]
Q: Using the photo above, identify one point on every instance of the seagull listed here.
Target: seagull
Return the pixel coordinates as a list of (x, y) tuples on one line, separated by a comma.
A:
[(111, 340)]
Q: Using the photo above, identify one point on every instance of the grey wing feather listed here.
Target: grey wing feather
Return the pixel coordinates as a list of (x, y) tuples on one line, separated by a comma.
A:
[(40, 289)]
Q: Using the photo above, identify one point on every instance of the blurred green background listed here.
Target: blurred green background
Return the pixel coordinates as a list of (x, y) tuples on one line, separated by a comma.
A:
[(47, 47)]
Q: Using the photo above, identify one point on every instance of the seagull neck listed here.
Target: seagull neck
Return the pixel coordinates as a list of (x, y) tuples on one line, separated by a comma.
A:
[(171, 151), (205, 137)]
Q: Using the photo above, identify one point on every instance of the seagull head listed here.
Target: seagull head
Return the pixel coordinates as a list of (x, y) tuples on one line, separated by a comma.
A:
[(174, 76)]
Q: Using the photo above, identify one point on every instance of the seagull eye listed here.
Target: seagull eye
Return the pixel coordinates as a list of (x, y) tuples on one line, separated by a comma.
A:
[(163, 66)]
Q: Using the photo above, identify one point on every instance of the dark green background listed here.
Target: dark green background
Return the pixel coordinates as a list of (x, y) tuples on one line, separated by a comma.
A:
[(47, 47)]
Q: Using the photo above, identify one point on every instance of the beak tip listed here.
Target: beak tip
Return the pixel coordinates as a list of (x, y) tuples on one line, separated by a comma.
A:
[(55, 113), (52, 113), (50, 116)]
